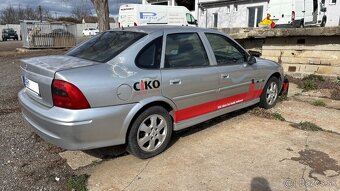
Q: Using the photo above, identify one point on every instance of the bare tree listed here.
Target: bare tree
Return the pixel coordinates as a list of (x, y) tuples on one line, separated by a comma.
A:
[(8, 15), (81, 12), (11, 15), (102, 10)]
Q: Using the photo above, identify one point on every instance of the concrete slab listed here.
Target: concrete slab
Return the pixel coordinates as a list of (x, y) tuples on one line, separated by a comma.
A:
[(77, 159), (241, 153), (297, 111), (294, 90), (329, 103)]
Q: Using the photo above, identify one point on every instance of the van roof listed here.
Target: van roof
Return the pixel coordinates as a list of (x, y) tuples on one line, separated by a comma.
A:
[(154, 28)]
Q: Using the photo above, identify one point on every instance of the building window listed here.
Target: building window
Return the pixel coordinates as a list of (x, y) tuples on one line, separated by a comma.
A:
[(332, 2), (254, 16), (215, 19)]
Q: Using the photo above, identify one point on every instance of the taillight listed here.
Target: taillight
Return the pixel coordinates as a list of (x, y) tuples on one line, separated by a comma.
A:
[(66, 95), (134, 24), (293, 16)]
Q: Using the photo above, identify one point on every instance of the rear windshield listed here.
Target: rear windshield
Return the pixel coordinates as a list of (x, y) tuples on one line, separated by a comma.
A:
[(105, 46)]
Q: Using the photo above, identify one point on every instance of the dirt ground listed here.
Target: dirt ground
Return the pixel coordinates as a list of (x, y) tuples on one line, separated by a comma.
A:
[(251, 149), (26, 161)]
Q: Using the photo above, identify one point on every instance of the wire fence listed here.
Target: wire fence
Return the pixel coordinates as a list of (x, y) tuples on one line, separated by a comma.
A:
[(47, 35)]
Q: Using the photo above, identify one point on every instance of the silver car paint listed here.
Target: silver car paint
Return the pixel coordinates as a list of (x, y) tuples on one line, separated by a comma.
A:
[(108, 88)]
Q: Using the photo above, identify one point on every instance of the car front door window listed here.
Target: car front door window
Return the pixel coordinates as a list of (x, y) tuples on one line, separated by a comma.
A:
[(226, 52)]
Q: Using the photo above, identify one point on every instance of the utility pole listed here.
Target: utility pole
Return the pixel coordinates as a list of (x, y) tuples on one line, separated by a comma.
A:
[(40, 13)]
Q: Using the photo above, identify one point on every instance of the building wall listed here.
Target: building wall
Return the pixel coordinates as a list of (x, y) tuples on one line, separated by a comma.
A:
[(228, 16), (333, 13)]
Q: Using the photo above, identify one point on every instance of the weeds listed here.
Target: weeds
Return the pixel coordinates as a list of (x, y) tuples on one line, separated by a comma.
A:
[(307, 126), (78, 183), (260, 112), (313, 77), (309, 85), (312, 82), (278, 116), (319, 103)]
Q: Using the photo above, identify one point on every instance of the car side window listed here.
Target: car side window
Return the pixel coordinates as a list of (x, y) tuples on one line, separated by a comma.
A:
[(185, 50), (150, 56), (225, 50)]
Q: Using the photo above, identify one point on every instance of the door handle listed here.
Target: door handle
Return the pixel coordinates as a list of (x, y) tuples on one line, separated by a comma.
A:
[(224, 76), (175, 82)]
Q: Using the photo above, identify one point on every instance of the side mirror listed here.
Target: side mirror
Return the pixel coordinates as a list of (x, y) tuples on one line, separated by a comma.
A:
[(195, 22), (251, 60)]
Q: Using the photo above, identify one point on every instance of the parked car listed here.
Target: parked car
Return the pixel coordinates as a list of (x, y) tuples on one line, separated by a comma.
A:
[(60, 32), (135, 86), (9, 33), (90, 31)]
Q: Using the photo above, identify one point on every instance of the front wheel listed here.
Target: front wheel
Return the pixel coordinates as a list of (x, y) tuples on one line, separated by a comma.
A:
[(150, 133), (270, 93)]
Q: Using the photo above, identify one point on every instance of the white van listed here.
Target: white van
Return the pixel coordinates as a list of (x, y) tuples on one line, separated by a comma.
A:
[(138, 14), (298, 13)]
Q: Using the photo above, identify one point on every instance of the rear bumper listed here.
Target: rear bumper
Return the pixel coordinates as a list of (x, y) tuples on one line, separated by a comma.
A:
[(76, 129)]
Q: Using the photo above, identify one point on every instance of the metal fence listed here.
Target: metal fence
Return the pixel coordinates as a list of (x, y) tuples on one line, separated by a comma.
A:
[(47, 35)]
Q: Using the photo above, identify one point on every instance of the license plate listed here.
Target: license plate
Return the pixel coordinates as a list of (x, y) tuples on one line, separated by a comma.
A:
[(31, 85)]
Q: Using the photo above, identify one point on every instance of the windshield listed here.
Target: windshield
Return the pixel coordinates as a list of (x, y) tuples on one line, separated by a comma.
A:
[(8, 30), (105, 46)]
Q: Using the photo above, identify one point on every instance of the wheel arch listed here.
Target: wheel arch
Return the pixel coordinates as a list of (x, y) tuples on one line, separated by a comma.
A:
[(278, 76), (144, 105)]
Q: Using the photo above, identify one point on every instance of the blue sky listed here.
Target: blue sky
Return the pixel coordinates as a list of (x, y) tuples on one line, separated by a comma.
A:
[(64, 7)]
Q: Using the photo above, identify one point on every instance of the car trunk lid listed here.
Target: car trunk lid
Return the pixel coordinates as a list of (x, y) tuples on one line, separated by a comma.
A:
[(38, 73)]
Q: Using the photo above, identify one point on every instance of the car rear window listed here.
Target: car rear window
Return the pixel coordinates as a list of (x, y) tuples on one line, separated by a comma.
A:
[(105, 46)]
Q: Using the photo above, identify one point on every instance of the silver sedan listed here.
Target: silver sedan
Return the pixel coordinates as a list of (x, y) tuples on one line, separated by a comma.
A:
[(137, 85)]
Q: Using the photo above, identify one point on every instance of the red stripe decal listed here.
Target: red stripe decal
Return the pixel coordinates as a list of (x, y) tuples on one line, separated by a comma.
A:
[(204, 108)]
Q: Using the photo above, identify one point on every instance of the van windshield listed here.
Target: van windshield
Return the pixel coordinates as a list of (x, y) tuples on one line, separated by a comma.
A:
[(105, 46)]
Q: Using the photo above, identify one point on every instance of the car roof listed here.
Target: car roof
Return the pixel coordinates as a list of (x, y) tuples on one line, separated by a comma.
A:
[(154, 28)]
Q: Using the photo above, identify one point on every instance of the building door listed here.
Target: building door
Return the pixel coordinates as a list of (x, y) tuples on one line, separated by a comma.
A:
[(254, 16), (215, 19)]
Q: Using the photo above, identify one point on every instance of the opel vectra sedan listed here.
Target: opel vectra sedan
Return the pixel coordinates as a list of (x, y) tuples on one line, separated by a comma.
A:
[(137, 85)]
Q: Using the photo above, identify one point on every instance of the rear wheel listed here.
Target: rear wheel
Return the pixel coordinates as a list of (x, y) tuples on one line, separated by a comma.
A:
[(150, 133), (270, 93)]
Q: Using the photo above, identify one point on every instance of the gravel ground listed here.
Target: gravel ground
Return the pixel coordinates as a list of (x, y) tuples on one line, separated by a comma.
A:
[(27, 162)]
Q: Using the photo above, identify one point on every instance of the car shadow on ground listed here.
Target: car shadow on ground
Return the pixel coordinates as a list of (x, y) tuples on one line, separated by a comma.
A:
[(112, 152)]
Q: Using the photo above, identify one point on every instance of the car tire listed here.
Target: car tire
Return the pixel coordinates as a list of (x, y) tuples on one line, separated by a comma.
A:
[(150, 133), (270, 93)]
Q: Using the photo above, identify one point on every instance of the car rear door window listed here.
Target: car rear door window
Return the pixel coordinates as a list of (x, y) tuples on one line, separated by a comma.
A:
[(185, 50), (106, 46), (150, 56), (225, 50)]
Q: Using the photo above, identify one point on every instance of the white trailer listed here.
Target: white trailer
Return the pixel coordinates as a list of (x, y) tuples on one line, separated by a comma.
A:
[(298, 13), (138, 14)]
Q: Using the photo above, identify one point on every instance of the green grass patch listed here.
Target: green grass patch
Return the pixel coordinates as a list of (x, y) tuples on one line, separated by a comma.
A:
[(319, 103), (309, 85), (78, 182), (307, 126), (313, 77), (278, 116)]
